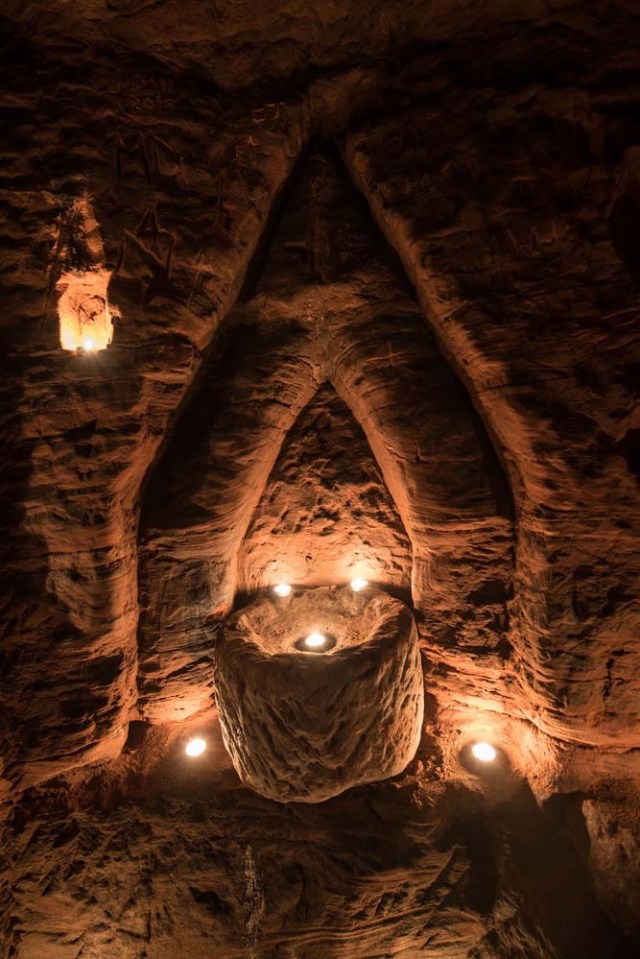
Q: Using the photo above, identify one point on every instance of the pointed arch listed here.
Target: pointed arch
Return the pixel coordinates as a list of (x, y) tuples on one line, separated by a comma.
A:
[(348, 320), (206, 490), (326, 515)]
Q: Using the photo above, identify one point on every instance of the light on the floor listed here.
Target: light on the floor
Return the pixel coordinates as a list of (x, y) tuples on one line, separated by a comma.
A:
[(88, 345), (484, 752), (315, 640), (195, 746), (359, 584), (282, 589)]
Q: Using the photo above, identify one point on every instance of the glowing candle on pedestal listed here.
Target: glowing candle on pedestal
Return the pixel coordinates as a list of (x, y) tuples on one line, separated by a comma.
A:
[(315, 640)]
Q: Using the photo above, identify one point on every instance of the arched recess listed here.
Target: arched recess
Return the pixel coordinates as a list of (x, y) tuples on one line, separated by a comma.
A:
[(325, 515), (329, 307)]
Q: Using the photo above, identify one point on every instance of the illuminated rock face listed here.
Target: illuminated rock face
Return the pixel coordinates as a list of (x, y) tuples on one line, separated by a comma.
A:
[(325, 515), (84, 314), (305, 726), (328, 439), (83, 309), (160, 159)]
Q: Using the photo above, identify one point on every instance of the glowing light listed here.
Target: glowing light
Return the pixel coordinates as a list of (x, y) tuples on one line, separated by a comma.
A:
[(282, 589), (195, 747), (84, 311), (358, 584), (83, 283), (484, 752), (315, 640)]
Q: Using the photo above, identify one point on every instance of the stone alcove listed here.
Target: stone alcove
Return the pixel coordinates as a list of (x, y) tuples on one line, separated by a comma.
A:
[(326, 434), (326, 508), (493, 163)]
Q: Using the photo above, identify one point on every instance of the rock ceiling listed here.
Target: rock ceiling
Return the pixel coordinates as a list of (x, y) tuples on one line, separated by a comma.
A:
[(368, 280)]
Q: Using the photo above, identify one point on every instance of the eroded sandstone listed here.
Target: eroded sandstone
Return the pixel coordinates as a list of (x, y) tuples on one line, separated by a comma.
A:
[(306, 723), (495, 147)]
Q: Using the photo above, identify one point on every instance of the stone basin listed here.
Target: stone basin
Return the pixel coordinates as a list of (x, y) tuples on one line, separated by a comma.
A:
[(304, 725)]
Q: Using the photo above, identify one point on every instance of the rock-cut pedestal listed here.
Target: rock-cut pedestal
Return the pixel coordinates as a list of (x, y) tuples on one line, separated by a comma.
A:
[(303, 725)]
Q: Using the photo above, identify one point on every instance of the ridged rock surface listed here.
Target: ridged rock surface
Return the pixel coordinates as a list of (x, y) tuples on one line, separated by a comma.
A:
[(329, 321), (303, 725), (161, 858), (411, 225), (325, 483)]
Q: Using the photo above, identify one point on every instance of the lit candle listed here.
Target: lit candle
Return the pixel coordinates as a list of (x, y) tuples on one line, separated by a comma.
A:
[(359, 584), (484, 752), (195, 747), (315, 640)]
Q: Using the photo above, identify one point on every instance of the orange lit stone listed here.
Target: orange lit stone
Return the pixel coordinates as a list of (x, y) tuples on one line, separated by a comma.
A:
[(301, 727), (83, 310)]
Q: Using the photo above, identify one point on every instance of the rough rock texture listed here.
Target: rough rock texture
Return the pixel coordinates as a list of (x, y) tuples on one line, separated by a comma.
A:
[(330, 313), (484, 338), (190, 861), (159, 859), (613, 827), (325, 513), (83, 430), (304, 726), (526, 294)]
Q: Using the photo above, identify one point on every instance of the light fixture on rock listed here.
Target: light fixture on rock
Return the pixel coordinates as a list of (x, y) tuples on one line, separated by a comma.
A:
[(484, 752), (282, 589), (315, 640), (84, 312), (195, 747), (358, 584), (316, 643)]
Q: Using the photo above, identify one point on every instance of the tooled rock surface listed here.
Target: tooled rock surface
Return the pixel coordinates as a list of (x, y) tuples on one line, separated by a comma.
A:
[(158, 858), (330, 316), (501, 165), (304, 725), (325, 513), (83, 430), (500, 210)]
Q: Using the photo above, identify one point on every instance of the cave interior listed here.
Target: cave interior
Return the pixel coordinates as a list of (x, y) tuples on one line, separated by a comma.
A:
[(321, 454)]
